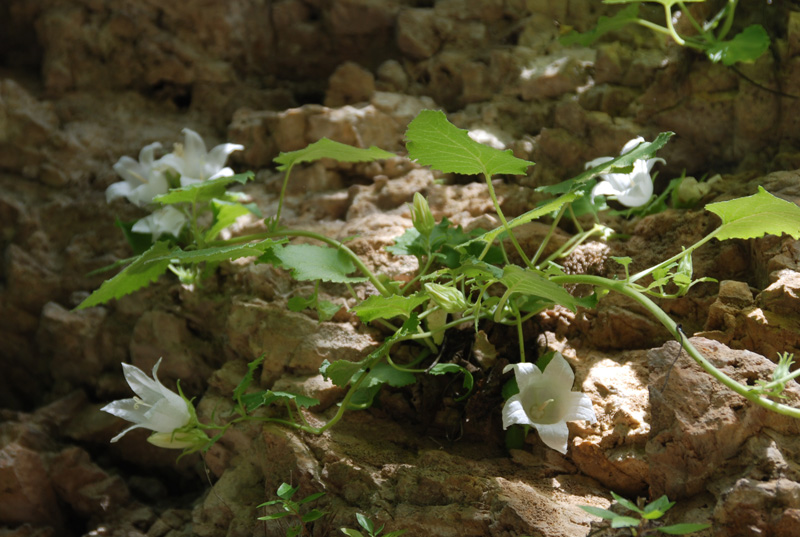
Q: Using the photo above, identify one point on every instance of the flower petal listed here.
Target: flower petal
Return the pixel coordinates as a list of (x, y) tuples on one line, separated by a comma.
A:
[(639, 193), (121, 189), (579, 407), (167, 415), (597, 162), (216, 157), (147, 154), (558, 375), (142, 385), (127, 409), (554, 435), (526, 374), (514, 413), (123, 433), (194, 148), (631, 144)]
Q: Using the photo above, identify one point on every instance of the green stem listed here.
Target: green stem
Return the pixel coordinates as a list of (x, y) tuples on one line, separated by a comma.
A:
[(676, 257), (624, 289), (726, 26), (668, 13), (322, 238), (420, 274), (277, 220), (504, 221), (550, 232)]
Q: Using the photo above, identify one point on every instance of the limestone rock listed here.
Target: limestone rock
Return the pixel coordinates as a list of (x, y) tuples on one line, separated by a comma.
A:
[(349, 84), (291, 341)]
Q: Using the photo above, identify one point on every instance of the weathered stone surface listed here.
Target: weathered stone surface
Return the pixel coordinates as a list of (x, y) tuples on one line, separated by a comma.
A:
[(27, 494), (291, 342), (349, 84), (693, 437), (84, 486), (417, 35)]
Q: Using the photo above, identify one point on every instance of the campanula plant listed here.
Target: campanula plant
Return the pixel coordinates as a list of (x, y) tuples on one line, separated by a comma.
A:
[(462, 277)]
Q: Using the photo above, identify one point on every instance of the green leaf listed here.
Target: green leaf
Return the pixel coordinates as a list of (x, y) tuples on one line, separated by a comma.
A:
[(604, 25), (341, 371), (365, 523), (657, 508), (665, 3), (205, 191), (286, 491), (351, 533), (645, 151), (141, 272), (527, 282), (310, 262), (225, 214), (624, 522), (533, 214), (600, 512), (314, 514), (433, 141), (683, 529), (140, 242), (217, 253), (326, 148), (252, 401), (746, 46), (294, 531), (311, 498), (275, 516), (756, 216), (626, 503), (441, 369), (238, 392), (396, 533), (380, 307)]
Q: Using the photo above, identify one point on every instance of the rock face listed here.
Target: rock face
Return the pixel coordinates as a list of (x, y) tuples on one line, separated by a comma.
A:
[(84, 82)]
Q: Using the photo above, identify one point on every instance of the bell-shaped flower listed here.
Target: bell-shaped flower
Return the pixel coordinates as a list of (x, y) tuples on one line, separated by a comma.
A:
[(546, 401), (154, 407), (195, 164), (143, 179), (632, 189), (167, 220)]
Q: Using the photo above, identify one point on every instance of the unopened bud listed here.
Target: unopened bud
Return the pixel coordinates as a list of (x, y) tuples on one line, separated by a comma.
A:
[(179, 440), (449, 299), (421, 216)]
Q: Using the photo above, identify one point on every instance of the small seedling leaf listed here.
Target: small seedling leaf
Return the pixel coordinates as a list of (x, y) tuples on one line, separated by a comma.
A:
[(314, 514), (627, 503), (624, 522), (599, 511), (326, 148), (238, 392), (434, 141), (311, 498), (351, 533), (756, 216), (286, 491), (441, 369), (365, 523), (683, 529)]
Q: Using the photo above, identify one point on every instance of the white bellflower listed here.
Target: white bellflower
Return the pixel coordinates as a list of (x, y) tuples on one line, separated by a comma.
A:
[(632, 189), (546, 401)]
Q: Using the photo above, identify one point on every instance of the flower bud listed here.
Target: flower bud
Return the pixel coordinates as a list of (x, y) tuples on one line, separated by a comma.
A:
[(421, 216), (449, 299), (179, 440)]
